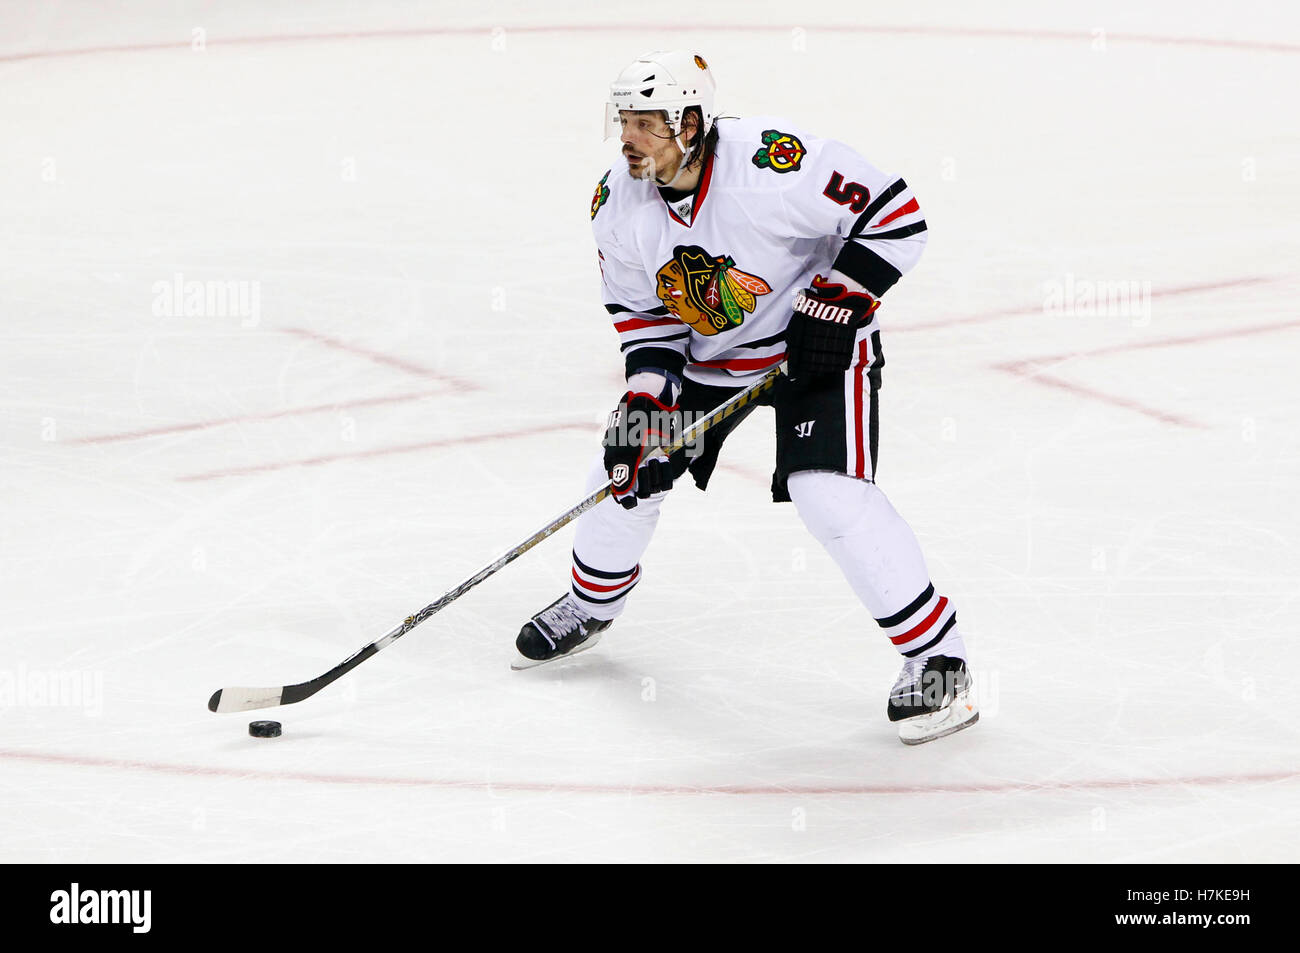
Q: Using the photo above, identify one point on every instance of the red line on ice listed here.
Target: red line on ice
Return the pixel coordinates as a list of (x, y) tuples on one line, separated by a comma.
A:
[(251, 418), (383, 451), (1048, 380), (1004, 787), (1079, 36), (1213, 335), (1026, 368), (904, 325), (381, 358), (455, 384), (762, 479)]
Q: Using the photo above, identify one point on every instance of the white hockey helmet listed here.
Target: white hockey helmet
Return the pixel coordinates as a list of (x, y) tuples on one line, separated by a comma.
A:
[(670, 81)]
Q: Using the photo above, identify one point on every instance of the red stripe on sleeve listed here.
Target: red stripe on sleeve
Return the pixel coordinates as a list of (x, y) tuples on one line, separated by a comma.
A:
[(636, 324), (904, 210), (745, 363)]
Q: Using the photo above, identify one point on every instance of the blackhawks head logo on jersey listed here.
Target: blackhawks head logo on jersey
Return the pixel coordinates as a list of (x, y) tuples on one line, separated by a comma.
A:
[(708, 292)]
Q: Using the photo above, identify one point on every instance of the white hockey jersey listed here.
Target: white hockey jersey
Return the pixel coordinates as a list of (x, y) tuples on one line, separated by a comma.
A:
[(704, 286)]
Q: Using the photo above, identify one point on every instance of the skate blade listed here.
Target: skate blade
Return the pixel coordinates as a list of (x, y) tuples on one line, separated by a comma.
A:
[(962, 713), (520, 663)]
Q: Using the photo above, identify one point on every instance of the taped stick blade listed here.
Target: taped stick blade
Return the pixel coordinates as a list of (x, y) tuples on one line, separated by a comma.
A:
[(244, 699)]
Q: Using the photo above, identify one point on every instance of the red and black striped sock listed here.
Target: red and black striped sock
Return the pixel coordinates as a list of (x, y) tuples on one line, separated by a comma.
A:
[(922, 627), (601, 592)]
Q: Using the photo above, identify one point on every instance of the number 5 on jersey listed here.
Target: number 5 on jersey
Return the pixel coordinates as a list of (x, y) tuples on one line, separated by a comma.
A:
[(855, 195)]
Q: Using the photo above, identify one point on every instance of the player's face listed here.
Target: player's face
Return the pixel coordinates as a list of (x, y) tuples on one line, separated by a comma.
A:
[(648, 146)]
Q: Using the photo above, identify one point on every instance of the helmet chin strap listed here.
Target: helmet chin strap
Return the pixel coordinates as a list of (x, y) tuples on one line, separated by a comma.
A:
[(681, 166)]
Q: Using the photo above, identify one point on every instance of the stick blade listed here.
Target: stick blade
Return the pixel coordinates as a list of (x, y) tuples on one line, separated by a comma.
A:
[(244, 699)]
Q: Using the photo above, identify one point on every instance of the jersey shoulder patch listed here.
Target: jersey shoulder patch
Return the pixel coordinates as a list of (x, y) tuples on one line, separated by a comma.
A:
[(767, 143), (779, 151), (602, 194), (763, 152), (621, 193)]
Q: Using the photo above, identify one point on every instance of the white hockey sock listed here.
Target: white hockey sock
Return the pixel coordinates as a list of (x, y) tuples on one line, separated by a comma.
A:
[(607, 548), (881, 559)]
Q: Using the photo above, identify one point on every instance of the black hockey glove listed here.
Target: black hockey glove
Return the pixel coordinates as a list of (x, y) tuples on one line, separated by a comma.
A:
[(636, 427), (819, 338)]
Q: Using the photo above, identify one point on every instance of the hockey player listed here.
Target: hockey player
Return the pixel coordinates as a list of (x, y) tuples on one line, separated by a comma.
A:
[(729, 246)]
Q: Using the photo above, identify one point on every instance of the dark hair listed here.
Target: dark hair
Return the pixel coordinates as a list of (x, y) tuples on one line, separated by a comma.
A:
[(699, 156)]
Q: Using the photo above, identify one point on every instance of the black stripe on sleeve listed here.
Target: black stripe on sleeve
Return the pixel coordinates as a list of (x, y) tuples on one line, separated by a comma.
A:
[(671, 337), (895, 232), (880, 202), (765, 342), (866, 268), (664, 358), (619, 309)]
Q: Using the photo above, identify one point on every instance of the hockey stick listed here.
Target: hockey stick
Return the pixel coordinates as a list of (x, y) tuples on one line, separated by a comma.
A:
[(247, 699)]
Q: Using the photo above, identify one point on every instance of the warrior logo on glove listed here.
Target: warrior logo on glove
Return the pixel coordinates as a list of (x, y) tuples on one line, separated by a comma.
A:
[(708, 292), (825, 319), (823, 311)]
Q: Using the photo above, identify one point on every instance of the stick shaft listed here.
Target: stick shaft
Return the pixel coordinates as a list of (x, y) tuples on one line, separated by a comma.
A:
[(700, 427), (245, 699)]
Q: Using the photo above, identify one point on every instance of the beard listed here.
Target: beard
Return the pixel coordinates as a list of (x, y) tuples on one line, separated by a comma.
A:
[(645, 168)]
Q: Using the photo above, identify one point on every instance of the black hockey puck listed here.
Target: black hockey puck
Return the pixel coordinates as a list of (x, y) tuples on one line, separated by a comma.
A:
[(264, 729)]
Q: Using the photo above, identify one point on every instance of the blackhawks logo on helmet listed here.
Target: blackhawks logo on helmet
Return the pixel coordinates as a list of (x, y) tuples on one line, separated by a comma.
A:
[(708, 292), (602, 193), (781, 152)]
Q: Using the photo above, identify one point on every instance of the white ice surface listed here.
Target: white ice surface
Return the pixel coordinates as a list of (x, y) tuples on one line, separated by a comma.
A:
[(1113, 511)]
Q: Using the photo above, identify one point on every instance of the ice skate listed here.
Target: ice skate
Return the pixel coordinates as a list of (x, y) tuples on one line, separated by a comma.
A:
[(561, 629), (932, 698)]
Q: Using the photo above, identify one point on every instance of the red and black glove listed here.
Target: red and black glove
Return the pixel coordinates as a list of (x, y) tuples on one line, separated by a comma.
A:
[(639, 424), (819, 339)]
